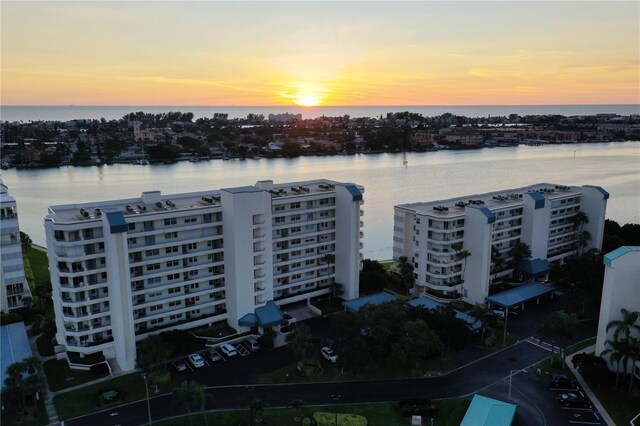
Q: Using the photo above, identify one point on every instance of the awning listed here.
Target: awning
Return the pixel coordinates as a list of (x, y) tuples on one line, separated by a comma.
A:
[(269, 315), (534, 267), (354, 305), (485, 411), (521, 294), (249, 320)]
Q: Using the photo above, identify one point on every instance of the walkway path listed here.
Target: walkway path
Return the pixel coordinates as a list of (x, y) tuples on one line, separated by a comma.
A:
[(46, 394), (585, 386)]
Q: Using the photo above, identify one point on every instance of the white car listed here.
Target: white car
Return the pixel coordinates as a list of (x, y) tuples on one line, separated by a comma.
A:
[(498, 312), (228, 350), (196, 360), (329, 355), (253, 345)]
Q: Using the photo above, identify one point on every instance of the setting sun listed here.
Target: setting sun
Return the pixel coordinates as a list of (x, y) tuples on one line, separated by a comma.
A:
[(307, 100)]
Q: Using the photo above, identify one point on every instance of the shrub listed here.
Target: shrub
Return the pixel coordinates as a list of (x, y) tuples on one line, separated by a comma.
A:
[(457, 414), (45, 344), (10, 318), (329, 419)]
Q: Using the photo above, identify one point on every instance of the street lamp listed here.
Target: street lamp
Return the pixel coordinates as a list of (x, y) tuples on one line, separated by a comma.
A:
[(504, 335), (146, 386), (336, 399), (511, 375)]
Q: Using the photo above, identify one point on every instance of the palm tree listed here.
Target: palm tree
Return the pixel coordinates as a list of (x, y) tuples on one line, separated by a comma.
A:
[(579, 220), (520, 251), (498, 263), (634, 349), (329, 259), (190, 394), (615, 352), (626, 325), (561, 326), (461, 255), (482, 314), (406, 272)]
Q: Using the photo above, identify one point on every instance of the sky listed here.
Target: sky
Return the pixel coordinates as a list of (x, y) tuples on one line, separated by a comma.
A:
[(320, 53)]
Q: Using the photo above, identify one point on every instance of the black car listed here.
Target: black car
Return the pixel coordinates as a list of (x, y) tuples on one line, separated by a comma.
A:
[(417, 407), (574, 400), (560, 381)]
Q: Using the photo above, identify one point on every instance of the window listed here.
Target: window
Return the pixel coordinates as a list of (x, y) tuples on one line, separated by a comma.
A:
[(154, 280), (170, 235), (175, 303), (157, 321), (279, 219), (296, 229), (156, 294), (153, 267), (131, 226), (295, 218), (155, 307), (192, 246), (173, 290), (295, 205), (193, 259), (173, 263), (132, 241), (309, 216), (279, 207), (193, 273), (169, 250), (171, 221), (323, 202), (190, 220), (150, 253)]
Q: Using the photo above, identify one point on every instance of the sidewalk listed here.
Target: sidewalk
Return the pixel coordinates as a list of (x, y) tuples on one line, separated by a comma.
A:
[(46, 394), (585, 387)]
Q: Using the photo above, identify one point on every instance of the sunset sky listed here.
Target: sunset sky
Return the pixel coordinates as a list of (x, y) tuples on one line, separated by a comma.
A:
[(328, 53)]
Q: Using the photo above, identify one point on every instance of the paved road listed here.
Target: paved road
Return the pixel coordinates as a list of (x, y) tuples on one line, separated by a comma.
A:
[(460, 382)]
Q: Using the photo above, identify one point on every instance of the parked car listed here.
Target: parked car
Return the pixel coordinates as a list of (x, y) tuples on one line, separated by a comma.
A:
[(179, 366), (196, 360), (574, 400), (417, 407), (329, 355), (253, 345), (213, 355), (498, 312), (228, 350), (560, 381)]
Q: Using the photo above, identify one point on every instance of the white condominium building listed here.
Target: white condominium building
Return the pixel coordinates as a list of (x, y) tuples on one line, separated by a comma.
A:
[(488, 226), (13, 283), (124, 269)]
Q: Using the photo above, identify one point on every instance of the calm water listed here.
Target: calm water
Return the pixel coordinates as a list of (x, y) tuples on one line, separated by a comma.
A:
[(427, 176), (63, 113)]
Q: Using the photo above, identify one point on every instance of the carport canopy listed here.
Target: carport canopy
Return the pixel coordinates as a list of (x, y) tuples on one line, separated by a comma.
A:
[(524, 293), (354, 305), (265, 316)]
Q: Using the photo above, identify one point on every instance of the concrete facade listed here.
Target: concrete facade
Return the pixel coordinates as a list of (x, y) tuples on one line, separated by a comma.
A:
[(13, 283), (124, 269), (620, 290), (490, 224)]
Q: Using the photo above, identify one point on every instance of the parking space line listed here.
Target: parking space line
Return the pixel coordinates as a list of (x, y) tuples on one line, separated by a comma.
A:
[(188, 366)]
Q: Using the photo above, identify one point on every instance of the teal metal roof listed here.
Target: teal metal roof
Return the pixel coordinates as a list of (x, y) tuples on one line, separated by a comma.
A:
[(116, 220), (269, 315), (485, 411), (242, 189), (15, 346), (521, 294), (425, 302), (249, 320), (534, 267), (619, 252), (355, 305)]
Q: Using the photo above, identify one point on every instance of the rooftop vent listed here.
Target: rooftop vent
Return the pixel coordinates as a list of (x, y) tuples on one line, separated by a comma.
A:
[(142, 207), (159, 205), (170, 203), (97, 212)]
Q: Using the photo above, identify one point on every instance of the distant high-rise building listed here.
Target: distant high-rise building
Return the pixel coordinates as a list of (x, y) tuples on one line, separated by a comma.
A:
[(13, 282), (124, 269), (434, 234)]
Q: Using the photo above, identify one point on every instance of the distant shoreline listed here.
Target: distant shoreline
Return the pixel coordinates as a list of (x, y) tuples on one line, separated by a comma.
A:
[(110, 112)]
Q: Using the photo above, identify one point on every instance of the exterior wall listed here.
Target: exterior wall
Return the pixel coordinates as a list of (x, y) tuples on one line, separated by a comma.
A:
[(539, 215), (13, 283), (621, 289), (124, 269)]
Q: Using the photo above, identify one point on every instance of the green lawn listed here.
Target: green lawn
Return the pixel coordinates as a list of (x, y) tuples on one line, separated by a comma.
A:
[(82, 401), (60, 376), (387, 264), (381, 414), (621, 406), (39, 266), (289, 374), (580, 345)]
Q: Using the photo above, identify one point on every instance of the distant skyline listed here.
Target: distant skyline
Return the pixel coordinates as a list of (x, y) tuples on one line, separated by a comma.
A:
[(320, 53)]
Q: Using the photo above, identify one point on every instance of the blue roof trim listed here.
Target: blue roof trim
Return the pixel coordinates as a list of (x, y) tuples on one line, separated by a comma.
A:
[(605, 194), (15, 346), (356, 194), (534, 267), (117, 222), (491, 217), (425, 302), (269, 315), (354, 305), (249, 320), (538, 198), (520, 294), (485, 411), (619, 252), (242, 190)]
